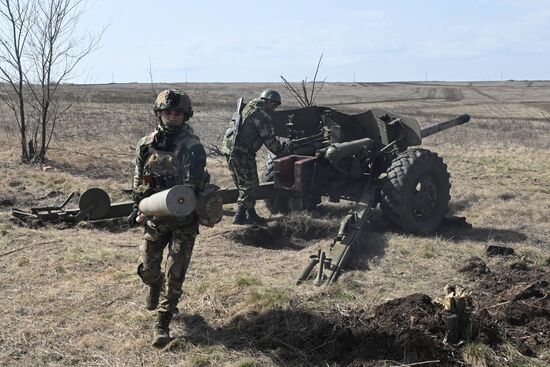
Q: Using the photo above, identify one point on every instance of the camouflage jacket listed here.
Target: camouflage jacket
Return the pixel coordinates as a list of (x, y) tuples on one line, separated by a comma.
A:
[(255, 130), (179, 154)]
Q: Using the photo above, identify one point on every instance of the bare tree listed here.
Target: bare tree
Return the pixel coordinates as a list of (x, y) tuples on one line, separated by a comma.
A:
[(301, 94), (46, 58), (15, 20), (56, 48)]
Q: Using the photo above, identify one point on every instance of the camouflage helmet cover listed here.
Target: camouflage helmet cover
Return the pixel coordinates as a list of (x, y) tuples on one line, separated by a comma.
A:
[(271, 95), (174, 99)]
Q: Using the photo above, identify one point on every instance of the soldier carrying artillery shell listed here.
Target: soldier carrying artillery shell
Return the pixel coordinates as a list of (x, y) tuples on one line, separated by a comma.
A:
[(171, 155)]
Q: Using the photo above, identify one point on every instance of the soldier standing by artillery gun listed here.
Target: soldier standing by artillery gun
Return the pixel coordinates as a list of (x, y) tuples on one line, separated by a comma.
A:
[(249, 129), (171, 155)]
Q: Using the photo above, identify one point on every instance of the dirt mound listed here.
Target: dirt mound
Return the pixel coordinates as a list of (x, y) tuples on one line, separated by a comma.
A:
[(416, 310), (506, 306), (474, 267), (515, 297), (406, 329)]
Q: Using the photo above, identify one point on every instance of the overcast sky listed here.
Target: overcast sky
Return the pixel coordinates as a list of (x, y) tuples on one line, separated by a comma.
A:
[(234, 41)]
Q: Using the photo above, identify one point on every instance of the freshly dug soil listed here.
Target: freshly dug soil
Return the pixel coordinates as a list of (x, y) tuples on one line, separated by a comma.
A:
[(505, 304)]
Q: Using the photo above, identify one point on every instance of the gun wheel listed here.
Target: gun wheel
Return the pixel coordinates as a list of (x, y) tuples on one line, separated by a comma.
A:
[(416, 191)]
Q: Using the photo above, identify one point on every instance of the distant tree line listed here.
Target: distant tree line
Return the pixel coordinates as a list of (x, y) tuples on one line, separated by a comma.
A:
[(40, 48)]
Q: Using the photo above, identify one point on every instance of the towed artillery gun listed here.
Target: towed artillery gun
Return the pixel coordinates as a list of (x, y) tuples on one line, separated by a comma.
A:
[(371, 158), (338, 156)]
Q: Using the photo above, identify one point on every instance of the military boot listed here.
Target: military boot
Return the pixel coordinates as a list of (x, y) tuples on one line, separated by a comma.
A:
[(253, 217), (240, 216), (161, 335), (152, 299)]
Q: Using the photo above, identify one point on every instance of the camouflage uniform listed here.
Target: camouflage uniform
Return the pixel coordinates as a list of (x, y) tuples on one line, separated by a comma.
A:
[(255, 130), (165, 158)]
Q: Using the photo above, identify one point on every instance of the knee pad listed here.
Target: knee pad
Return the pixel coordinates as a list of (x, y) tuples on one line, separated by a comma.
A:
[(147, 276)]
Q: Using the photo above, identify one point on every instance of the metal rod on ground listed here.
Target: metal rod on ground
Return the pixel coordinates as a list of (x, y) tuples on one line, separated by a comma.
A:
[(24, 247)]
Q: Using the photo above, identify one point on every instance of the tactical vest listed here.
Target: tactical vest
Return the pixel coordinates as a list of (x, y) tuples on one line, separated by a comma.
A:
[(165, 169)]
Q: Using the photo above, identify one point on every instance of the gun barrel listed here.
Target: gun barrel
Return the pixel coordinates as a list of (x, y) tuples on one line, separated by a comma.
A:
[(338, 151), (440, 126)]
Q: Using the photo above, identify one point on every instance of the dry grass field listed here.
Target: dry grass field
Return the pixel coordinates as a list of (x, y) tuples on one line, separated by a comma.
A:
[(70, 295)]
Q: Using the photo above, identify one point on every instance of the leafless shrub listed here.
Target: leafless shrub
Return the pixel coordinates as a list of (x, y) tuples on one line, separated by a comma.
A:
[(301, 94)]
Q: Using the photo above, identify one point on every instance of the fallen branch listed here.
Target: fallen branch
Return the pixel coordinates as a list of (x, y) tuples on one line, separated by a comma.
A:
[(416, 363), (24, 247), (499, 304)]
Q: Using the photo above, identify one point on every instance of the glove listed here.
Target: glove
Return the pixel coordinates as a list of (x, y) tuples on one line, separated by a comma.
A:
[(290, 146), (133, 216)]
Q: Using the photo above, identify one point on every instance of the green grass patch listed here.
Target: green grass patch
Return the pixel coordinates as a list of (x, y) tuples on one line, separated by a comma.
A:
[(479, 355), (24, 261), (535, 255), (201, 287), (512, 357), (122, 275), (427, 251), (207, 356), (246, 280), (343, 292), (269, 298)]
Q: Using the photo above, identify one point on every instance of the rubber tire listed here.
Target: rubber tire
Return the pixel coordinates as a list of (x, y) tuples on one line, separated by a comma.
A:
[(277, 204), (416, 174)]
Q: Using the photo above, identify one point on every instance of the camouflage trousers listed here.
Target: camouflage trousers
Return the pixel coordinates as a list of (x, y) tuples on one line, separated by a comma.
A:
[(179, 235), (245, 176)]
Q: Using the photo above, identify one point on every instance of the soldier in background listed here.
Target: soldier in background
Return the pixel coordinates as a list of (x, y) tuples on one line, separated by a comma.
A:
[(254, 131), (171, 155)]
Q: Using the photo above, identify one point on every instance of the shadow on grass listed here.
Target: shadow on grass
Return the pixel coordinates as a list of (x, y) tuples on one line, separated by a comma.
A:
[(295, 231), (294, 338), (481, 234), (299, 230), (115, 225), (264, 237), (302, 338), (455, 229), (463, 204), (370, 247)]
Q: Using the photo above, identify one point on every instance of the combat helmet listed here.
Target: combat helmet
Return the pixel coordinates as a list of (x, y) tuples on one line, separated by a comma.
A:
[(271, 95), (174, 99)]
